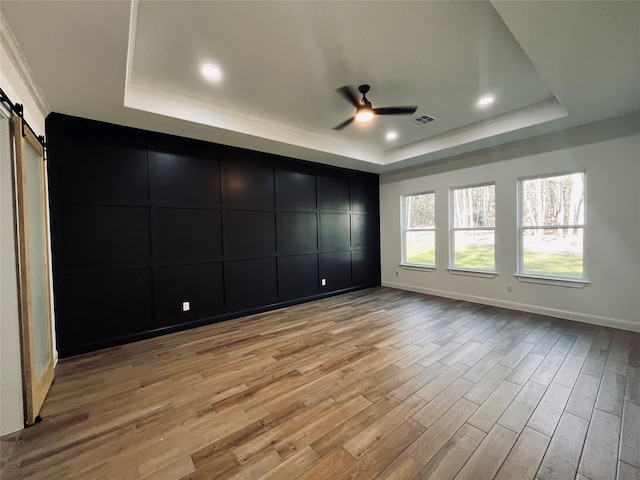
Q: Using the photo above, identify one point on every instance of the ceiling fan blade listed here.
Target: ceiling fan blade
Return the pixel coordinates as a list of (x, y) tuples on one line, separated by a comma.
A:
[(344, 124), (349, 94), (395, 110)]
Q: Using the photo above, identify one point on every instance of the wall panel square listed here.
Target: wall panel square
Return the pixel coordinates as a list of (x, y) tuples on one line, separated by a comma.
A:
[(298, 274), (201, 285), (366, 265), (335, 231), (248, 184), (183, 180), (364, 230), (295, 191), (104, 305), (250, 282), (103, 172), (250, 233), (297, 232), (364, 195), (333, 193), (188, 235), (105, 236), (335, 267)]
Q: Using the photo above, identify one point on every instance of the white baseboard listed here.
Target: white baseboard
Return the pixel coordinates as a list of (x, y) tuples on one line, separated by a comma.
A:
[(524, 307)]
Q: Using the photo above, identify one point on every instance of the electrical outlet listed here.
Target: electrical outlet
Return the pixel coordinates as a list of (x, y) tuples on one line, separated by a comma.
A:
[(509, 289), (397, 274), (186, 306), (323, 282)]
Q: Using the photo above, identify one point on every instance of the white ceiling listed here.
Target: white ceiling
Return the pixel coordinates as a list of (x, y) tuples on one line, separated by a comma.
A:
[(551, 66)]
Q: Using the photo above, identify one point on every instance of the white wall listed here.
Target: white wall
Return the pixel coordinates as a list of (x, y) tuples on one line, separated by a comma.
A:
[(19, 90), (612, 167)]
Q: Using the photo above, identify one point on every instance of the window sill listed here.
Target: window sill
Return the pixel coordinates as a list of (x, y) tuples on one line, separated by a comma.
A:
[(417, 268), (558, 282), (472, 273)]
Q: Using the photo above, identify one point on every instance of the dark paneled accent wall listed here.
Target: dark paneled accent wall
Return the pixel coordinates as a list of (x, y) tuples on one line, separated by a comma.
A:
[(142, 222)]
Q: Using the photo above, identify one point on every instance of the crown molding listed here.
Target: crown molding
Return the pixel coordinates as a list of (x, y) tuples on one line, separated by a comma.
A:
[(20, 63)]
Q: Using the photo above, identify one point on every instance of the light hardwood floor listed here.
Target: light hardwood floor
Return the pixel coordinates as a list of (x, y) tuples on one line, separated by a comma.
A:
[(378, 384)]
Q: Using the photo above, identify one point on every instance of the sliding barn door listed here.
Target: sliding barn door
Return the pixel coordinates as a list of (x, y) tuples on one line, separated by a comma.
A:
[(33, 245)]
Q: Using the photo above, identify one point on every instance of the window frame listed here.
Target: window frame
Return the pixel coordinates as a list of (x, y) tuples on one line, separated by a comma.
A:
[(453, 268), (547, 279), (404, 229)]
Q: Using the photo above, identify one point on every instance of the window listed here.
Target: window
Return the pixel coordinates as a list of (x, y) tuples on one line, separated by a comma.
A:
[(552, 226), (473, 231), (419, 229)]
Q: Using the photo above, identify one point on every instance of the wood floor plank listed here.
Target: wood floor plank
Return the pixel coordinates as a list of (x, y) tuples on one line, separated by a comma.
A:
[(627, 472), (402, 468), (384, 453), (547, 414), (377, 383), (453, 455), (619, 353), (483, 366), (632, 393), (488, 457), (525, 368), (294, 466), (525, 457), (515, 356), (517, 414), (490, 411), (561, 459), (353, 426), (428, 444), (548, 368), (487, 384), (437, 385), (179, 468), (583, 397), (569, 371), (311, 432), (329, 467), (428, 414), (564, 344), (256, 466), (600, 453), (598, 353), (386, 386), (544, 346), (417, 355), (478, 354), (630, 435), (366, 439), (611, 394), (410, 387)]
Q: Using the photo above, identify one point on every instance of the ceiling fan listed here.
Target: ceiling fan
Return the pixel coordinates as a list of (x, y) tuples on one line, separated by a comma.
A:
[(364, 111)]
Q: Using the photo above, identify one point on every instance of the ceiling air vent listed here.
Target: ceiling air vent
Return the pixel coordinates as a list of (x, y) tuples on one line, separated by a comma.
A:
[(423, 120)]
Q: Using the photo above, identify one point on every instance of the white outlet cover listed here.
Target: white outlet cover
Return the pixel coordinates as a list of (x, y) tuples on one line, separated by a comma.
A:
[(186, 306), (324, 282)]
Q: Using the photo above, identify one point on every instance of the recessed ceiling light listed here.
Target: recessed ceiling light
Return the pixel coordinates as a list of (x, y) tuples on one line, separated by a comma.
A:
[(485, 101), (391, 136), (211, 72)]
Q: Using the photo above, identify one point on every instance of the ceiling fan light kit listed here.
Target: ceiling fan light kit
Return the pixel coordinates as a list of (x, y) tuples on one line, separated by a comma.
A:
[(364, 111), (364, 115)]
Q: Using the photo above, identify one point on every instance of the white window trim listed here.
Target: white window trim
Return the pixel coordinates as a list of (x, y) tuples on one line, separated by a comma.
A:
[(452, 268), (472, 273), (525, 277), (418, 267), (555, 281), (403, 235)]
